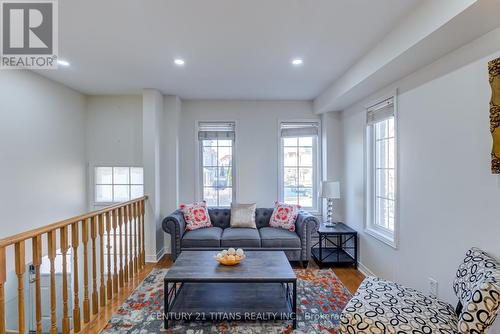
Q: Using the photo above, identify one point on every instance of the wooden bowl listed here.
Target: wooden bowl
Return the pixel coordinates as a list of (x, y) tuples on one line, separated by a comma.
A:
[(225, 261)]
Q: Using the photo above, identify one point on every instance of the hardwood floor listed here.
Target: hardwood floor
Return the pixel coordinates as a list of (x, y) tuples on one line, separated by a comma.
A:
[(104, 314), (350, 277)]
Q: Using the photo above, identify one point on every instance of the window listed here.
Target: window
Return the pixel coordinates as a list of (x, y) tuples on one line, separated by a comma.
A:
[(381, 199), (118, 184), (217, 164), (299, 164)]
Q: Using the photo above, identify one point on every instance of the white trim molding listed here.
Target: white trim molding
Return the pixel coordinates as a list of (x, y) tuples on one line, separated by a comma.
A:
[(156, 258), (365, 270)]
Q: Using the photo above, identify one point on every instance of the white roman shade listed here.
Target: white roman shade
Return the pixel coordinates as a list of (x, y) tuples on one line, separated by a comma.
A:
[(216, 130), (380, 111), (299, 129)]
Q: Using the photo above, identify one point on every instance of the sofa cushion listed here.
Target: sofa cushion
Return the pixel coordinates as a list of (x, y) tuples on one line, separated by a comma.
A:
[(240, 237), (243, 215), (196, 215), (262, 217), (220, 217), (284, 216), (203, 237), (278, 238)]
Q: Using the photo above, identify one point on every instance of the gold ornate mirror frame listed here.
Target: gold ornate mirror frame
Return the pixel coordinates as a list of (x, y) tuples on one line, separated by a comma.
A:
[(494, 70)]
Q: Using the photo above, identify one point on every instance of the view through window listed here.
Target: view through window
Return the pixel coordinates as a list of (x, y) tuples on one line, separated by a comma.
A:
[(217, 167), (299, 168)]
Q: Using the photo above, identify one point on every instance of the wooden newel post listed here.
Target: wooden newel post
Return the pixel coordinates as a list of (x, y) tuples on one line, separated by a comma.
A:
[(143, 208)]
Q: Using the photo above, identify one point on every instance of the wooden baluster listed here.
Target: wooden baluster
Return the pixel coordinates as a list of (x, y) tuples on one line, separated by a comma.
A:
[(3, 278), (120, 224), (131, 264), (143, 208), (64, 250), (93, 235), (20, 269), (76, 301), (51, 237), (102, 290), (36, 243), (114, 214), (136, 269), (85, 238), (125, 240), (108, 247), (139, 252)]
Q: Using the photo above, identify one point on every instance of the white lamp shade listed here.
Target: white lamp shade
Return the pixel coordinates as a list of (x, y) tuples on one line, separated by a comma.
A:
[(330, 189)]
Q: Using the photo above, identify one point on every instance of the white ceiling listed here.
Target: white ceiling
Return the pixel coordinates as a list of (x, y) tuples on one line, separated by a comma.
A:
[(234, 49)]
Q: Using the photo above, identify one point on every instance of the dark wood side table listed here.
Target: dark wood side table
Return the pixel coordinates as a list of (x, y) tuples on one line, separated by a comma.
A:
[(336, 246)]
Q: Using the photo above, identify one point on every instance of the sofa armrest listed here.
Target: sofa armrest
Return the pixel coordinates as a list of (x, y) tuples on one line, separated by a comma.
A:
[(305, 226), (174, 224)]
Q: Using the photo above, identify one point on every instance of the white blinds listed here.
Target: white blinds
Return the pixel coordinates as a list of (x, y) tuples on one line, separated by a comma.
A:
[(299, 129), (216, 130), (380, 112)]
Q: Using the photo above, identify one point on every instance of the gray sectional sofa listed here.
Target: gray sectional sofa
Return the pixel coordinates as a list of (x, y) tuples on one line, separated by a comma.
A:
[(296, 245)]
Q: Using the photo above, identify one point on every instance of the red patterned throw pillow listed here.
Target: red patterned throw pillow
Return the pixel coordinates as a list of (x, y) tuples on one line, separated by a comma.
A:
[(284, 216), (196, 215)]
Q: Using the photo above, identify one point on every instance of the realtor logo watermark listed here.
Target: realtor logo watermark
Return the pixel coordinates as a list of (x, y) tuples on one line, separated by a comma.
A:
[(29, 32)]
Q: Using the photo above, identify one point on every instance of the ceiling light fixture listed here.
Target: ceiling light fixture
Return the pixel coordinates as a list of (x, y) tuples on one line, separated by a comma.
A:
[(63, 62), (297, 62), (179, 62)]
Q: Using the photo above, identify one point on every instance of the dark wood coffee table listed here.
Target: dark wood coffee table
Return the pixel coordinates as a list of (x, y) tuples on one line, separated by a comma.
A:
[(262, 287)]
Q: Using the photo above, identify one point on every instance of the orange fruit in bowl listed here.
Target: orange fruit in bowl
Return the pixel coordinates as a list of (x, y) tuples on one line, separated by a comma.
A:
[(231, 258)]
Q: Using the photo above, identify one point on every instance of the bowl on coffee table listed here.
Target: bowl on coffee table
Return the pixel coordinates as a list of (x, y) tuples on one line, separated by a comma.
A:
[(230, 257)]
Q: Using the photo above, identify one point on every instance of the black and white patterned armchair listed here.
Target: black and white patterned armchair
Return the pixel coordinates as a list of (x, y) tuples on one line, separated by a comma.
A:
[(381, 306)]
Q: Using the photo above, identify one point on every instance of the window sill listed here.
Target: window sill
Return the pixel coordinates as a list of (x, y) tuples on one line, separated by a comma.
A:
[(389, 240)]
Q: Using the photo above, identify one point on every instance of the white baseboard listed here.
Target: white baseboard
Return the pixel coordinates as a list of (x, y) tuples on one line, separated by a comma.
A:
[(365, 270), (157, 257)]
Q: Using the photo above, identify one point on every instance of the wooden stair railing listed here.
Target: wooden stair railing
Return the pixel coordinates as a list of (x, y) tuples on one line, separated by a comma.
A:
[(127, 254)]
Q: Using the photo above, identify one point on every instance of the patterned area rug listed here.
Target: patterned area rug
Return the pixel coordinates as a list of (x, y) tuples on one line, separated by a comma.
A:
[(321, 298)]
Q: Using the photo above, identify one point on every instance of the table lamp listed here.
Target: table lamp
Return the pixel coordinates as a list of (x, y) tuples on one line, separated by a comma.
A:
[(330, 190)]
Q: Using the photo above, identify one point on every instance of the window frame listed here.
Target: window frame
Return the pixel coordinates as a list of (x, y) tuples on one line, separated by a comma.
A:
[(199, 162), (317, 166), (385, 235), (92, 172)]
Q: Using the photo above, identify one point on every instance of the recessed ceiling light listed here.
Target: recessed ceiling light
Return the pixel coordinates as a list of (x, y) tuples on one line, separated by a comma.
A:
[(297, 62), (63, 62), (179, 62)]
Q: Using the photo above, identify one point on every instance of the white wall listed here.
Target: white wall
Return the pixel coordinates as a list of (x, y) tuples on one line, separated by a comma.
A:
[(113, 134), (169, 160), (152, 115), (256, 144), (448, 198), (332, 162), (42, 152)]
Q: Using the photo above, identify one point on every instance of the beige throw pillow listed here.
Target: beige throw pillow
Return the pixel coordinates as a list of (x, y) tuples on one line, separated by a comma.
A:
[(243, 215)]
